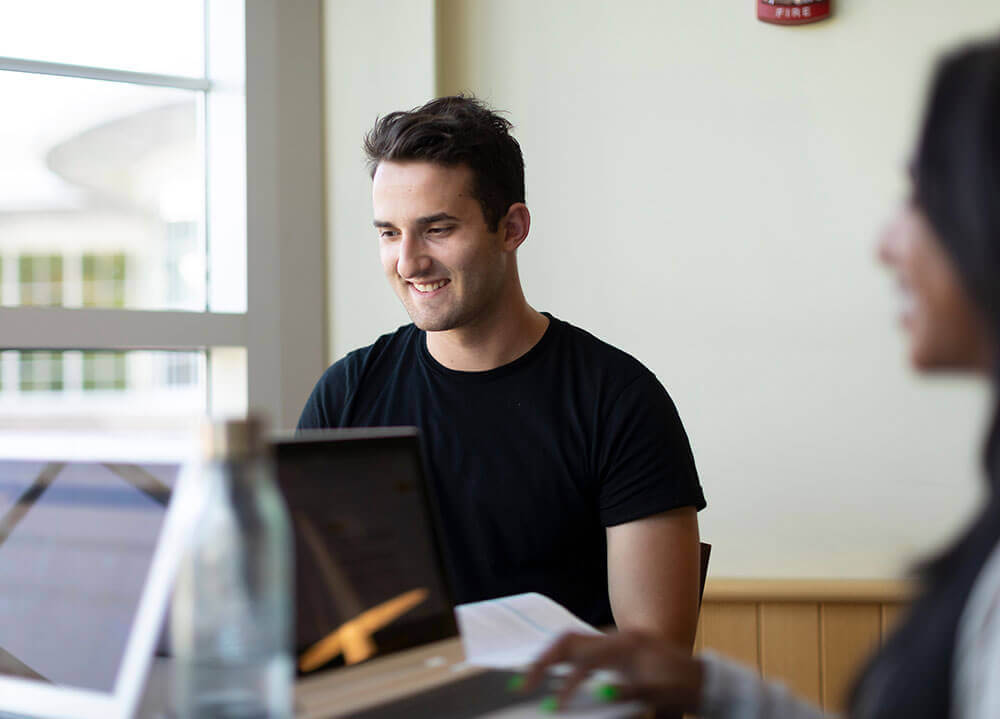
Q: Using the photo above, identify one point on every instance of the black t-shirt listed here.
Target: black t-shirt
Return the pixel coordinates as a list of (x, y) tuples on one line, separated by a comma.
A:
[(529, 461)]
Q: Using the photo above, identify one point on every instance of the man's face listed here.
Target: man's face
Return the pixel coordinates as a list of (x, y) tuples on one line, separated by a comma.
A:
[(440, 257)]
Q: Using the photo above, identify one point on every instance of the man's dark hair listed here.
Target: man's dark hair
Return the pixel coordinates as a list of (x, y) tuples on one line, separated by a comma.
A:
[(454, 131)]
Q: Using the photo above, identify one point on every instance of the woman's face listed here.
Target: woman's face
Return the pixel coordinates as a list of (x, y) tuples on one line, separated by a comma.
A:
[(945, 329)]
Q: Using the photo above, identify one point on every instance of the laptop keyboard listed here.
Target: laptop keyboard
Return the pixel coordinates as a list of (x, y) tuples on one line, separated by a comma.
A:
[(472, 696)]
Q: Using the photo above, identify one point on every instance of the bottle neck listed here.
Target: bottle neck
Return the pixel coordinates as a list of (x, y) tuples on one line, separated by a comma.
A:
[(240, 469)]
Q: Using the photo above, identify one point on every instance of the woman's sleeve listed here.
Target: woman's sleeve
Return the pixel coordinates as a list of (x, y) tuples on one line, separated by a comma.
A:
[(733, 691)]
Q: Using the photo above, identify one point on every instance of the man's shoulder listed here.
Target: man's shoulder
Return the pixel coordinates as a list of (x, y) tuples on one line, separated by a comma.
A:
[(600, 354), (389, 347), (334, 393)]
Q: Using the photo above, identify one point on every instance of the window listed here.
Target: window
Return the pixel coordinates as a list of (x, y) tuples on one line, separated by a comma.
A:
[(40, 280), (103, 280), (40, 372), (181, 369), (104, 371), (125, 287)]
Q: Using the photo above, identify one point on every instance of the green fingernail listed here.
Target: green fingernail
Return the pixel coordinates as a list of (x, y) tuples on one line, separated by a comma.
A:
[(516, 683), (607, 693), (549, 704)]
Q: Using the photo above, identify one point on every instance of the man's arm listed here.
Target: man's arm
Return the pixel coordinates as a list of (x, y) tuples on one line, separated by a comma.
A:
[(653, 574)]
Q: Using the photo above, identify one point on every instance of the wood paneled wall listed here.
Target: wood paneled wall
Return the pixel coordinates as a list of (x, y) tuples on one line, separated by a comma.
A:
[(813, 635)]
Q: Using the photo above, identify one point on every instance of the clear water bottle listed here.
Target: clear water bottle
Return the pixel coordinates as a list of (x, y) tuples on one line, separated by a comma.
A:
[(231, 616)]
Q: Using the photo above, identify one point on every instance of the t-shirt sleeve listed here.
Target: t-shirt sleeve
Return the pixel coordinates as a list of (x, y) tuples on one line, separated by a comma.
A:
[(645, 462), (326, 403)]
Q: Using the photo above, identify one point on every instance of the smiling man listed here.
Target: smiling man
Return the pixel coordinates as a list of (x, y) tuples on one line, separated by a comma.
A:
[(559, 462)]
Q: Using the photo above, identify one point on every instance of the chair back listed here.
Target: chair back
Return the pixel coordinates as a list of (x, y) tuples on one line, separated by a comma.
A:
[(706, 552)]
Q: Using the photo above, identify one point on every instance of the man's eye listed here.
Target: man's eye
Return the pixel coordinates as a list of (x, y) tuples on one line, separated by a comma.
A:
[(387, 234), (438, 230)]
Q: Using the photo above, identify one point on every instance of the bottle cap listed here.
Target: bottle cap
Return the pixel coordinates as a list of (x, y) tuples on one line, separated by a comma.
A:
[(234, 438)]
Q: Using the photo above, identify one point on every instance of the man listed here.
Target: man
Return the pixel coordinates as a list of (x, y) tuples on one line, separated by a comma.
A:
[(559, 462)]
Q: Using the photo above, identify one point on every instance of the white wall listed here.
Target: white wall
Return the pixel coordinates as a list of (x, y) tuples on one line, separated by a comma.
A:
[(378, 57), (706, 191)]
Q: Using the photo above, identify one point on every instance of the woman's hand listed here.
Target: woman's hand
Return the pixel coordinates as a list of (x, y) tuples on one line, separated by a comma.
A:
[(651, 670)]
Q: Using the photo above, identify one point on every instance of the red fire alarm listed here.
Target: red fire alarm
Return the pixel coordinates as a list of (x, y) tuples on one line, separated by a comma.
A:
[(792, 12)]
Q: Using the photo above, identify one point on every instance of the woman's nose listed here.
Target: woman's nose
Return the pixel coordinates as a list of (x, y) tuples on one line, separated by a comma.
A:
[(888, 243)]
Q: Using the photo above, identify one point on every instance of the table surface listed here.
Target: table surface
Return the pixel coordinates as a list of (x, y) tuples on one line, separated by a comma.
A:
[(351, 689), (332, 694), (346, 691)]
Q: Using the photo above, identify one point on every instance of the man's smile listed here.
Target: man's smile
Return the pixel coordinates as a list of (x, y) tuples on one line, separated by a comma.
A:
[(426, 288)]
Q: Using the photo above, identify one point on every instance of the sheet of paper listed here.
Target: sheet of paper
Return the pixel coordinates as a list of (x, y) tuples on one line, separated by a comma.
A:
[(512, 631)]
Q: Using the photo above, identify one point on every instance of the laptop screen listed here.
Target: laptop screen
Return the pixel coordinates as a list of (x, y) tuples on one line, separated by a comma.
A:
[(369, 573), (77, 540)]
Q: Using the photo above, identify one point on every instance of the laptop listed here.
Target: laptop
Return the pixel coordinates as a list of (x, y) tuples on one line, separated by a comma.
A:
[(370, 573), (90, 538)]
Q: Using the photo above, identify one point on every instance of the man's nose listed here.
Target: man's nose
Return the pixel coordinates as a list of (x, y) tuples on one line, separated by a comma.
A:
[(413, 260)]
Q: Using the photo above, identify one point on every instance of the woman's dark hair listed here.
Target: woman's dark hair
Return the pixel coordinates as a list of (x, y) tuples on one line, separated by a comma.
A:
[(957, 186), (454, 131)]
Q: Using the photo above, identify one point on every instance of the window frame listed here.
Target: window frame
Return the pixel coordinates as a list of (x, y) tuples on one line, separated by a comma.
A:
[(284, 326)]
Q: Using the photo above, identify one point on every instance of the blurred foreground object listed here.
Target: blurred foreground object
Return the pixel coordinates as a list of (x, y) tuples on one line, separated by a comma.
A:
[(232, 609)]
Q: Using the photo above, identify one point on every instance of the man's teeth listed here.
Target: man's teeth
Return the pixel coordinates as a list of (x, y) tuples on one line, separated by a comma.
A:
[(431, 287)]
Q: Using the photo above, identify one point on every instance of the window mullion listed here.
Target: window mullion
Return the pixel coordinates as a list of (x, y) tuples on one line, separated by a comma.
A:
[(60, 328), (39, 67)]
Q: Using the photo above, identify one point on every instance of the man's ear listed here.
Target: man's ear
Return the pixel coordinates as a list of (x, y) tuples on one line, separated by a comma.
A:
[(515, 226)]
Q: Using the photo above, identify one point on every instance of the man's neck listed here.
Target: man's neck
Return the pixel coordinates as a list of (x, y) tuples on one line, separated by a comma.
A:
[(492, 343)]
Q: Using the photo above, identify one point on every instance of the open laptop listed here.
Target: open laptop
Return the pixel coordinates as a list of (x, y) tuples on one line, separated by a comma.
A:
[(369, 576), (90, 538), (370, 572)]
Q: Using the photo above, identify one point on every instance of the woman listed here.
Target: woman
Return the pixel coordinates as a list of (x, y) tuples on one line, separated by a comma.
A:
[(944, 247)]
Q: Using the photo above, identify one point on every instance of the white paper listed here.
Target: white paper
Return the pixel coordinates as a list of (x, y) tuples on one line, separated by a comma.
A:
[(512, 631)]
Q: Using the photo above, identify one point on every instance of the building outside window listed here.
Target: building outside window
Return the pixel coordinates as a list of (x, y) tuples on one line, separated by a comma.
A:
[(40, 372), (103, 280), (40, 280), (125, 287), (106, 137), (104, 371)]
